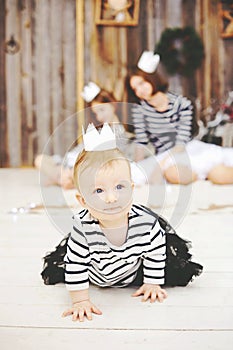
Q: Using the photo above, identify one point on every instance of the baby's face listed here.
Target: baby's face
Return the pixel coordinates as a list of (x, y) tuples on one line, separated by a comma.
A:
[(107, 192), (103, 111)]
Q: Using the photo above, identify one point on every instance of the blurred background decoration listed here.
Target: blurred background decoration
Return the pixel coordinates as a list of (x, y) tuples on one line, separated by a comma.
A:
[(181, 50), (117, 12)]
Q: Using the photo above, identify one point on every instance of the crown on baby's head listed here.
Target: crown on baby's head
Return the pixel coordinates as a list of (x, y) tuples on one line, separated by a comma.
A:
[(99, 141), (148, 61), (90, 91)]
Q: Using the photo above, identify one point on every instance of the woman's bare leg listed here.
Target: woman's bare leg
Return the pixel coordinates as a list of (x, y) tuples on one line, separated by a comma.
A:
[(182, 175), (221, 175), (50, 171), (54, 174)]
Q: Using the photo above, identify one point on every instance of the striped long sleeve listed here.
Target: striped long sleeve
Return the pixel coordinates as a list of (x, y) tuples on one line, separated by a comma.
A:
[(154, 259), (77, 259), (163, 129), (185, 116)]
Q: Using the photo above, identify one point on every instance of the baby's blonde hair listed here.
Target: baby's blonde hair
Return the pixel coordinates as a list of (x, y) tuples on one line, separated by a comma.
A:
[(97, 160)]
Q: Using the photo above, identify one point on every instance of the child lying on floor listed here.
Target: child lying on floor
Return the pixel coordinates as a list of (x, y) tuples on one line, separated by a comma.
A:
[(115, 243)]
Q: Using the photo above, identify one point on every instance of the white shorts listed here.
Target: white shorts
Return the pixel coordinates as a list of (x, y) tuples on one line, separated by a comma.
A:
[(201, 157), (205, 156)]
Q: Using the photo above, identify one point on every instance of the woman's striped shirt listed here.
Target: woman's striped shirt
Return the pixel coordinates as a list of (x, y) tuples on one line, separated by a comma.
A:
[(92, 258), (163, 129)]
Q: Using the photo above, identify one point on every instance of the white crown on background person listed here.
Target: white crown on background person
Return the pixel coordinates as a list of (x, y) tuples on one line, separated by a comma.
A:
[(148, 62), (90, 91), (99, 141)]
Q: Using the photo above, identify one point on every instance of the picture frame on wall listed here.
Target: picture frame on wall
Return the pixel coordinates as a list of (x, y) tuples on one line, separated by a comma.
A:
[(226, 19), (117, 12)]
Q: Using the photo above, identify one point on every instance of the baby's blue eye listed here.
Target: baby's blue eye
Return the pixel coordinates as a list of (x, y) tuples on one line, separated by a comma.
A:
[(98, 190), (119, 187)]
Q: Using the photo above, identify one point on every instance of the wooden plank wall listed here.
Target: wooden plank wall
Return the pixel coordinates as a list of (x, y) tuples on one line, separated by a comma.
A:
[(39, 82), (3, 125), (40, 79), (13, 89)]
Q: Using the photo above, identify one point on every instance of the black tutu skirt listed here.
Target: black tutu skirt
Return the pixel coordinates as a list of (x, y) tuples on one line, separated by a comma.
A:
[(179, 269)]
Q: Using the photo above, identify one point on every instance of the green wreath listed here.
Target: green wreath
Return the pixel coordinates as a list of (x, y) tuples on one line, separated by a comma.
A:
[(181, 50)]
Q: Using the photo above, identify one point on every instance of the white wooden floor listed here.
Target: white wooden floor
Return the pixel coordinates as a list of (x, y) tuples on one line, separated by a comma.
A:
[(199, 316)]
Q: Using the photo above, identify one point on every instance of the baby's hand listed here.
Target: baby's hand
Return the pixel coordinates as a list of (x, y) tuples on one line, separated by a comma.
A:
[(81, 309), (151, 291)]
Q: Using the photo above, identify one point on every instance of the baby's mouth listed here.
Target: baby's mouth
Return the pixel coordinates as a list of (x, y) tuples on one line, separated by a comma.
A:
[(112, 210)]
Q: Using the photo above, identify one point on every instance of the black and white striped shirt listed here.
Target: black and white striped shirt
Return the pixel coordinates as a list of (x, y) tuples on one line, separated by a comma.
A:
[(92, 258), (163, 129)]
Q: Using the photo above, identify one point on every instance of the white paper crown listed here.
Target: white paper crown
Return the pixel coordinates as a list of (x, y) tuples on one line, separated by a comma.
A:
[(148, 61), (90, 91), (99, 141)]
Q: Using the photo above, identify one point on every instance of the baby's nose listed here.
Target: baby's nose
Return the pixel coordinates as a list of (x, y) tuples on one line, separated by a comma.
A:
[(111, 197)]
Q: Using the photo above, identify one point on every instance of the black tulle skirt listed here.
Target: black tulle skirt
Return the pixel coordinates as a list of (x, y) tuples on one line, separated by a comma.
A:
[(179, 269)]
